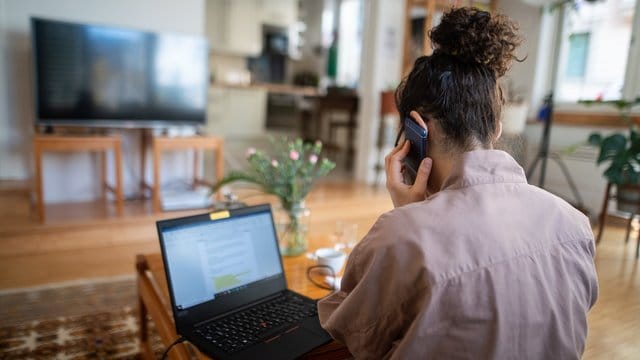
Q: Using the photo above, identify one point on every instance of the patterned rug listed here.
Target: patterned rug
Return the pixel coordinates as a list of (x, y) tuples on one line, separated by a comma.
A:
[(89, 320)]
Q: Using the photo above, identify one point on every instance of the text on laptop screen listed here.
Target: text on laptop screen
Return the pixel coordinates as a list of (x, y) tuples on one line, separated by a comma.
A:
[(212, 258)]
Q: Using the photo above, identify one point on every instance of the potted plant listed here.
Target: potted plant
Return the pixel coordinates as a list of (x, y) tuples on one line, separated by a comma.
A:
[(621, 153), (288, 172), (514, 112)]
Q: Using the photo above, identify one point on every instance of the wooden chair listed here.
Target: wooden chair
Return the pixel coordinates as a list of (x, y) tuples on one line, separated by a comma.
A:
[(344, 102), (386, 132)]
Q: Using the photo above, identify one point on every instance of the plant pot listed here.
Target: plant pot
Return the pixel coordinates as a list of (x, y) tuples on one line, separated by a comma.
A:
[(514, 117), (628, 198)]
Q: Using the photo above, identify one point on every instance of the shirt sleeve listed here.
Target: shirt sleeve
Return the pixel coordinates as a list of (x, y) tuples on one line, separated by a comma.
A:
[(380, 295)]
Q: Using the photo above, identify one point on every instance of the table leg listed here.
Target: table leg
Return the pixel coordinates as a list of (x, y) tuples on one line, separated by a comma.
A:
[(351, 151), (118, 163), (103, 176), (196, 168), (603, 213), (37, 153), (626, 237), (145, 347), (142, 321), (144, 146), (156, 177), (219, 154)]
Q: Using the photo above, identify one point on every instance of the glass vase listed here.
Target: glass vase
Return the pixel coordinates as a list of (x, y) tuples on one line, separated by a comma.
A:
[(293, 227)]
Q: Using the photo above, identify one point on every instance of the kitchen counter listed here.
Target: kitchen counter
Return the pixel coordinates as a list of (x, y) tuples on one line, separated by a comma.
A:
[(589, 120), (273, 88)]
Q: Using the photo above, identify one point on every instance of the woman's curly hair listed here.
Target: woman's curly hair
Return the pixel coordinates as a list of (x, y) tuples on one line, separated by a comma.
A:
[(458, 84), (477, 36)]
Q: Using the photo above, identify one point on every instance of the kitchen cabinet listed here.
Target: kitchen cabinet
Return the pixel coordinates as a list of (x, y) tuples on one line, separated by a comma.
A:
[(279, 12), (237, 112), (233, 27)]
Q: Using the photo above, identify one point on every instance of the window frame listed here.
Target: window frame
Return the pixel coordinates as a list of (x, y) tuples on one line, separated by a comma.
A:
[(631, 84)]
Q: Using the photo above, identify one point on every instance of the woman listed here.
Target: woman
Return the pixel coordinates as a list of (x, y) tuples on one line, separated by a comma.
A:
[(473, 262)]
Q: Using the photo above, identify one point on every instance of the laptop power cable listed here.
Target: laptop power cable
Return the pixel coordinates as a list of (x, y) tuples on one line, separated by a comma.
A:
[(178, 341)]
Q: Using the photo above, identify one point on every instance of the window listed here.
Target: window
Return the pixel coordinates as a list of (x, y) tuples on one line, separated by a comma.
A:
[(595, 50), (349, 42), (578, 52)]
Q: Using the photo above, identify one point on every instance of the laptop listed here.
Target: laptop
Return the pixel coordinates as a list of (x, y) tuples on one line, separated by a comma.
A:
[(228, 291)]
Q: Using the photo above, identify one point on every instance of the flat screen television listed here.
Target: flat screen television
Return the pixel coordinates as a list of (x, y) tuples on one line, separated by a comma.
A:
[(91, 75)]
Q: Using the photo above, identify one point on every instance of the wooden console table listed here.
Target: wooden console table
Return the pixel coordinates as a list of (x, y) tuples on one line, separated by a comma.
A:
[(153, 300), (102, 144), (198, 143)]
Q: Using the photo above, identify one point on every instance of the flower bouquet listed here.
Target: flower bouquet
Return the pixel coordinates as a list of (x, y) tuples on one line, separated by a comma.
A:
[(289, 173)]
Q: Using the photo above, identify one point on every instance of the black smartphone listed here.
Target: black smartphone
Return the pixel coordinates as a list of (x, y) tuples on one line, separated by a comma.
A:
[(417, 136)]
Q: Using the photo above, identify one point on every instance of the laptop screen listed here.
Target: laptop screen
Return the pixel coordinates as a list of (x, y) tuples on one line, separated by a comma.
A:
[(212, 259)]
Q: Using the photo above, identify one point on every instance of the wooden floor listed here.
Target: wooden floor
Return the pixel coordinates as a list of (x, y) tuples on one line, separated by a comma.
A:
[(82, 241)]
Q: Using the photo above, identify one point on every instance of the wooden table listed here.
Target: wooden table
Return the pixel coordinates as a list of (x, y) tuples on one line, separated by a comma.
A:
[(153, 300)]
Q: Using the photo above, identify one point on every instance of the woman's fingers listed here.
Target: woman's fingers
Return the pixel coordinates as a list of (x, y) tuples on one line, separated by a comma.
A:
[(393, 163), (419, 187)]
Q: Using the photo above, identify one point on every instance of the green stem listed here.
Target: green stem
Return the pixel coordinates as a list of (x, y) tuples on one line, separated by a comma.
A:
[(294, 234)]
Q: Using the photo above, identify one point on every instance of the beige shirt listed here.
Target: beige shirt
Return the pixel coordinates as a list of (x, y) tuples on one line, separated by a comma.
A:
[(488, 268)]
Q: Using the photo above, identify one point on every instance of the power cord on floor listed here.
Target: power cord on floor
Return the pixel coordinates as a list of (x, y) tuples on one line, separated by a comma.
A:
[(178, 341)]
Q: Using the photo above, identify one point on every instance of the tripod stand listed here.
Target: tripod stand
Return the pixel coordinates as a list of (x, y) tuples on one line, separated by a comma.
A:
[(546, 115)]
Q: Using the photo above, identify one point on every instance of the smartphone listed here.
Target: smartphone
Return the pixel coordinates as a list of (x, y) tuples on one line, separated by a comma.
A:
[(417, 136)]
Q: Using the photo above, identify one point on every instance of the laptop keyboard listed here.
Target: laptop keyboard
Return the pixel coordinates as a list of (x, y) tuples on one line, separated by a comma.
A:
[(263, 322)]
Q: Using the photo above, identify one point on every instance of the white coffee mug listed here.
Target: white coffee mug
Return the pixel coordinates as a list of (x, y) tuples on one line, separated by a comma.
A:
[(329, 257)]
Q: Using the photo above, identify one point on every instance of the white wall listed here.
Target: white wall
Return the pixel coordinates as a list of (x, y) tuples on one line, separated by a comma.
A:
[(3, 91), (522, 74), (581, 164), (381, 68), (16, 110)]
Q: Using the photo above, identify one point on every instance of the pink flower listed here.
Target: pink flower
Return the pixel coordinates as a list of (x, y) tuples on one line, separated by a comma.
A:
[(294, 155), (274, 163), (250, 151), (313, 158)]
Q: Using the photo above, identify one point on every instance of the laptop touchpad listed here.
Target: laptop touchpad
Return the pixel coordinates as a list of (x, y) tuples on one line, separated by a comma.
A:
[(297, 342)]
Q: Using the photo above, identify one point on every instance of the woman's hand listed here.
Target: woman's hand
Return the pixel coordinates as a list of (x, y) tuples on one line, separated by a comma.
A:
[(401, 193)]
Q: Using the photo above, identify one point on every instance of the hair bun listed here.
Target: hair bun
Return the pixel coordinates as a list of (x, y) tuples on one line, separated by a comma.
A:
[(474, 35)]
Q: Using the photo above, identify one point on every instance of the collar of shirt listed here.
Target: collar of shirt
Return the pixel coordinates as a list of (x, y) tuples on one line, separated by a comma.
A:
[(484, 167)]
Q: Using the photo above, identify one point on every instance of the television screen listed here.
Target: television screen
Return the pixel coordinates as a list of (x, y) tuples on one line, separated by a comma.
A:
[(108, 76)]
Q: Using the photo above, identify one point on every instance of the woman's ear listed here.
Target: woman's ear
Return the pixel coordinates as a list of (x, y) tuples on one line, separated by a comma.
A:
[(414, 114)]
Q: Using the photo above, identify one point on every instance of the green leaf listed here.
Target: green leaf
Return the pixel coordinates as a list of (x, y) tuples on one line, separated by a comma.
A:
[(611, 146), (614, 174), (290, 180), (595, 139)]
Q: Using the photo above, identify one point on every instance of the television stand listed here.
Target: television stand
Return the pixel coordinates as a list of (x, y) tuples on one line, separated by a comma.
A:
[(161, 144), (62, 143)]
